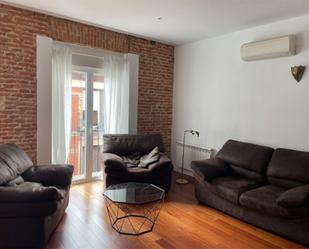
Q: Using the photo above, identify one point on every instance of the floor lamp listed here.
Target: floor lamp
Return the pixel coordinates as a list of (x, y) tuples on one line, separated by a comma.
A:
[(182, 180)]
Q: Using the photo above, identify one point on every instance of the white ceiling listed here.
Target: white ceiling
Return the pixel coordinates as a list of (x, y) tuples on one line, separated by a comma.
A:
[(182, 21)]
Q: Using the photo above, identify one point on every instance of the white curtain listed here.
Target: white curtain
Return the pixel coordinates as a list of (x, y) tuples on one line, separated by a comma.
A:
[(116, 94), (61, 103)]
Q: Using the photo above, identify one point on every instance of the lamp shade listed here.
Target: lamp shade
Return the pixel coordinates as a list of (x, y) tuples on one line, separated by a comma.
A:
[(194, 133)]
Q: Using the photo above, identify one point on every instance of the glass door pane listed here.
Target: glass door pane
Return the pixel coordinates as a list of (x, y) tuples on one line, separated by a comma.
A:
[(77, 156), (87, 123), (97, 122)]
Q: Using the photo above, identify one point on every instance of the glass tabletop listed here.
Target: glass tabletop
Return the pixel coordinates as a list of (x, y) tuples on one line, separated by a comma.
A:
[(134, 193)]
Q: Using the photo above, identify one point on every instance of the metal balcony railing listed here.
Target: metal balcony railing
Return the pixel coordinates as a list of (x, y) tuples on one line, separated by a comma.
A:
[(78, 150)]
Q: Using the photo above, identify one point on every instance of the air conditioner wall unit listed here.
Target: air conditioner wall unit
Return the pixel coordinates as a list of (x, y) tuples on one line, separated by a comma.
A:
[(271, 48)]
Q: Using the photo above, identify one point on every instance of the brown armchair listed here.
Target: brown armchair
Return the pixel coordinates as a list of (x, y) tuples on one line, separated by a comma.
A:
[(32, 198), (116, 147)]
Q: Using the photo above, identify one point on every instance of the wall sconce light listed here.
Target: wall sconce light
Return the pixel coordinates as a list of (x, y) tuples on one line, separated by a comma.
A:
[(298, 72)]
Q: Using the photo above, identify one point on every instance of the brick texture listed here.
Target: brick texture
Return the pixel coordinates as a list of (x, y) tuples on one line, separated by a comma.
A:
[(18, 30)]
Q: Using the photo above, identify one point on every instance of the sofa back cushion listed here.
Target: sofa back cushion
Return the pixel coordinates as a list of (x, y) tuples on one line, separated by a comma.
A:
[(128, 144), (288, 168), (13, 162), (246, 159)]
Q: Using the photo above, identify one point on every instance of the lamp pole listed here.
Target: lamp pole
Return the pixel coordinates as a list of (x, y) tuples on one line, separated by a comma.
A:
[(182, 180)]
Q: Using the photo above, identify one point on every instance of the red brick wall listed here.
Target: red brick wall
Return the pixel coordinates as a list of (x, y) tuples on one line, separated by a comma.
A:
[(18, 30), (155, 87)]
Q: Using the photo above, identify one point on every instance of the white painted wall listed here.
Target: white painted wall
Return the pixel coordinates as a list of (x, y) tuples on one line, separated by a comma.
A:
[(44, 89), (224, 97)]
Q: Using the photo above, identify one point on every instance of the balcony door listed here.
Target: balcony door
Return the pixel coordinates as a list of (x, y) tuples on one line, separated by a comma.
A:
[(87, 123)]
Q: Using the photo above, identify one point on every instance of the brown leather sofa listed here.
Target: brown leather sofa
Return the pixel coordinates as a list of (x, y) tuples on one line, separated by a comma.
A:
[(265, 187), (32, 198), (116, 170)]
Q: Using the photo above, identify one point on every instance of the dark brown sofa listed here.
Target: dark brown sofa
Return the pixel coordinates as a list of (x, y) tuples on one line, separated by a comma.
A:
[(116, 170), (265, 187), (32, 198)]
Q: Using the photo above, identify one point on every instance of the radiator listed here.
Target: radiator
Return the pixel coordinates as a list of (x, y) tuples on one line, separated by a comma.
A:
[(191, 153)]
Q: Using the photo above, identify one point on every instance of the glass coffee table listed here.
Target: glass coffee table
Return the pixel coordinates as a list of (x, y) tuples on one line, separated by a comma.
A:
[(133, 208)]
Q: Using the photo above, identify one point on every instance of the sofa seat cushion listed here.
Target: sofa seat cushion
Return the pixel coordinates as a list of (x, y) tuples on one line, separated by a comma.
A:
[(163, 166), (263, 199), (231, 187)]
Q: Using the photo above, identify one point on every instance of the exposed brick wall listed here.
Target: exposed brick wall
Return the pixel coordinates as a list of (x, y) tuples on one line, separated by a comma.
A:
[(155, 87), (18, 30), (78, 33)]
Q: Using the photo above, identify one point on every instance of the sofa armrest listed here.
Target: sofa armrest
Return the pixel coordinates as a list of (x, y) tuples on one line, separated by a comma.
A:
[(206, 170), (164, 162), (50, 175), (113, 162), (29, 192), (295, 197)]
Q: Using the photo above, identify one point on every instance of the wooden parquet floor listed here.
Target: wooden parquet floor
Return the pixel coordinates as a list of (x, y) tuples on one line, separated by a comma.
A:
[(182, 224)]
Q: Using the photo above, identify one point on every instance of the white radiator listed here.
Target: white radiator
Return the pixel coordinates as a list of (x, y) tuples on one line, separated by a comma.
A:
[(191, 153)]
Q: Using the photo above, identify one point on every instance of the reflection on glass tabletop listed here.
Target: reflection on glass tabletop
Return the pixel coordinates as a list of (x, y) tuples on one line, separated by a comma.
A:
[(134, 193)]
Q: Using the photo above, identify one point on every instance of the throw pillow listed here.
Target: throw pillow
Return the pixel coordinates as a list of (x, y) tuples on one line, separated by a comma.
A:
[(150, 158), (131, 160), (15, 182), (295, 197)]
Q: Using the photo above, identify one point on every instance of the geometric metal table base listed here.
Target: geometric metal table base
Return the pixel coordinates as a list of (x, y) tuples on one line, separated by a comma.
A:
[(133, 219)]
